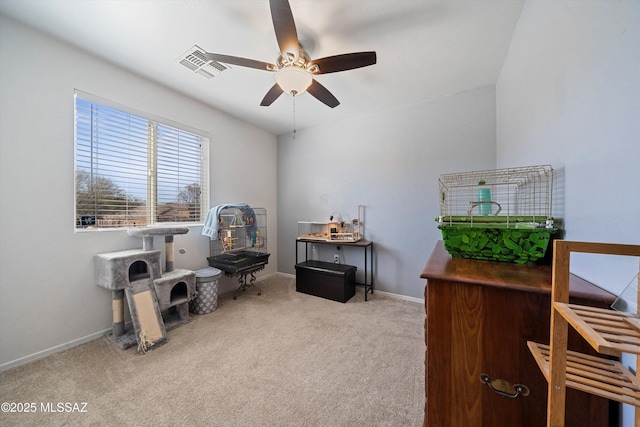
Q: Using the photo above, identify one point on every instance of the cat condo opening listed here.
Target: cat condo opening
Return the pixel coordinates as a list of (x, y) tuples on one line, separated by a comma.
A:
[(497, 215)]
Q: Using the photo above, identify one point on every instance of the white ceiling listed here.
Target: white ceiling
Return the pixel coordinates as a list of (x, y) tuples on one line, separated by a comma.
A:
[(425, 49)]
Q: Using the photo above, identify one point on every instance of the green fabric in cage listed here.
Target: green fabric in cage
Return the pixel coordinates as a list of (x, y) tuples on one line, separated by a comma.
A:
[(515, 243)]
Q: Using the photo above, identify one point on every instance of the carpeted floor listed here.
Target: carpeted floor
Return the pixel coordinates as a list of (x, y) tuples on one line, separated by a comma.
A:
[(279, 359)]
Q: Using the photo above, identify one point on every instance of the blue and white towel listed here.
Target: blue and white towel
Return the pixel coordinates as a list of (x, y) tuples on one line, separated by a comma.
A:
[(212, 222)]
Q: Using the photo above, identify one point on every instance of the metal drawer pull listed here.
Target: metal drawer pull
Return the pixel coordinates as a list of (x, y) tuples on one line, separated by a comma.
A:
[(504, 388)]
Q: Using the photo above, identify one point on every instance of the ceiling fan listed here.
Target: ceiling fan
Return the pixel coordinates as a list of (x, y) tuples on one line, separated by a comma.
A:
[(294, 69)]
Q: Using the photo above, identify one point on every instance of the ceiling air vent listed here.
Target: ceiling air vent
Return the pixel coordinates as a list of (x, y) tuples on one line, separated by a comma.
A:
[(195, 59)]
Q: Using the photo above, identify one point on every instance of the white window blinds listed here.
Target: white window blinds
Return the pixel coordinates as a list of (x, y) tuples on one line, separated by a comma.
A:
[(133, 171)]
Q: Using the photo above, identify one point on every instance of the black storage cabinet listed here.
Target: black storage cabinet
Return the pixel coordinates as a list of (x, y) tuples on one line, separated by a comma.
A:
[(336, 282)]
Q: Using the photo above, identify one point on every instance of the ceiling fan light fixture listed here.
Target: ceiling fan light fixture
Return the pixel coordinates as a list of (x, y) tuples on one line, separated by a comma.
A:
[(294, 71), (293, 80)]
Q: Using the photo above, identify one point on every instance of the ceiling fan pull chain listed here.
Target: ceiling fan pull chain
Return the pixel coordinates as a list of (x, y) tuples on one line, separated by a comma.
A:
[(293, 93)]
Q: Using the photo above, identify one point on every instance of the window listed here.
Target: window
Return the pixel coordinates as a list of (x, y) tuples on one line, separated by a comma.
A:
[(134, 170)]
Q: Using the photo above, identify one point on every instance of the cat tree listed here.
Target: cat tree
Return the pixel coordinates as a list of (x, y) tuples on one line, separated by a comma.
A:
[(158, 301)]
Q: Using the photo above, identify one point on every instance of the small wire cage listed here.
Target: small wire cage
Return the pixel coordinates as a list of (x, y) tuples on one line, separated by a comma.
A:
[(517, 194), (501, 214)]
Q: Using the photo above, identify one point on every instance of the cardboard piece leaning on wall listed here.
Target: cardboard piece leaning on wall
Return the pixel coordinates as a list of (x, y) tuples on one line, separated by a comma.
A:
[(145, 315)]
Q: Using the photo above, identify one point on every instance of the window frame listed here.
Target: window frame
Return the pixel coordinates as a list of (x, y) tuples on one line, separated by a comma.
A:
[(152, 121)]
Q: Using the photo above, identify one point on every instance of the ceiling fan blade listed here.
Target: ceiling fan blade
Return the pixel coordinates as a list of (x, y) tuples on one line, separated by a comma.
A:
[(347, 61), (285, 27), (322, 94), (272, 95), (243, 62)]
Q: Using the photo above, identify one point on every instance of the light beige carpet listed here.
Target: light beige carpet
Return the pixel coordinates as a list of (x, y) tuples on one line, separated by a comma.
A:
[(279, 359)]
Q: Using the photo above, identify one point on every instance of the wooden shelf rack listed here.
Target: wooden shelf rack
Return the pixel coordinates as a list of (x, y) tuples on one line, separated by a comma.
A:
[(609, 332)]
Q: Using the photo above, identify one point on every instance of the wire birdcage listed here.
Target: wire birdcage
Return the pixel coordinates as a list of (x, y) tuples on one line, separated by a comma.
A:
[(475, 205), (241, 240), (517, 194)]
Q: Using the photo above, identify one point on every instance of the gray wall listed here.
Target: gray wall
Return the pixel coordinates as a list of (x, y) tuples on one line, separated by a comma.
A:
[(569, 95), (389, 163), (48, 299)]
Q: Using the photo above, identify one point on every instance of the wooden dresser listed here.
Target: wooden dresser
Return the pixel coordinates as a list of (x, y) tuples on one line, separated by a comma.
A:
[(479, 317)]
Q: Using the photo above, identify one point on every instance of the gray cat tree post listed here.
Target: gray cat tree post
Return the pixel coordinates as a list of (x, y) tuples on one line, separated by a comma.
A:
[(157, 301)]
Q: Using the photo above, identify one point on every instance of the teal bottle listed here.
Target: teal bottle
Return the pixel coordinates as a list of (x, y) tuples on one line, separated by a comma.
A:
[(484, 195)]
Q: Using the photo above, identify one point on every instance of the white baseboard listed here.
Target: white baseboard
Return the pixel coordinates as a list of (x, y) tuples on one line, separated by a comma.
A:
[(387, 294), (402, 297), (52, 350)]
